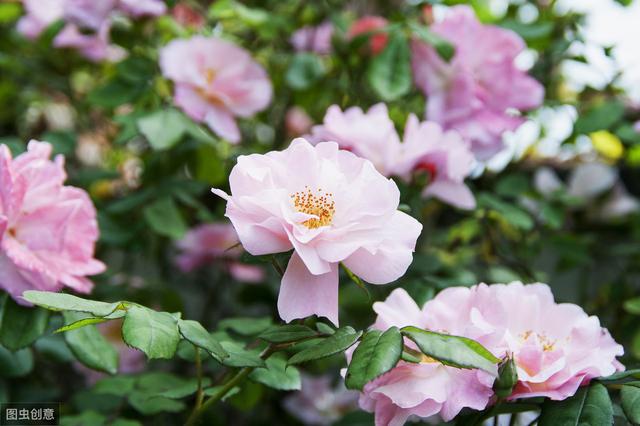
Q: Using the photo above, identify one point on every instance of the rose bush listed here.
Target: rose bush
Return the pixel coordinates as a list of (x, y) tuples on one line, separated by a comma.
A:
[(373, 165)]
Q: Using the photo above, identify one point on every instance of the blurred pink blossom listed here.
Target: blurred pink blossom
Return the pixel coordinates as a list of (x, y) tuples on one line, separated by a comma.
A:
[(557, 347), (88, 14), (215, 81), (313, 39), (478, 90), (139, 8), (373, 25), (330, 206), (372, 135), (95, 47), (47, 230), (40, 14), (215, 241), (427, 388), (318, 403), (297, 121)]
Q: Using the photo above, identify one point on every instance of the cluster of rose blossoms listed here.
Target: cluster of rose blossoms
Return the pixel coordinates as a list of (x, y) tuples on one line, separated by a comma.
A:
[(87, 23), (331, 206)]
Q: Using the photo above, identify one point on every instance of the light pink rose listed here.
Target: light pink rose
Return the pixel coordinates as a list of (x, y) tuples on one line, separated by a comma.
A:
[(95, 47), (557, 347), (421, 389), (215, 81), (40, 14), (372, 135), (475, 91), (215, 242), (140, 8), (313, 39), (319, 403), (47, 230), (330, 206)]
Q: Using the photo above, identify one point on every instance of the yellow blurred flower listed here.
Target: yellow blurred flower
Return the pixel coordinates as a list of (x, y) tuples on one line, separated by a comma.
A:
[(607, 144)]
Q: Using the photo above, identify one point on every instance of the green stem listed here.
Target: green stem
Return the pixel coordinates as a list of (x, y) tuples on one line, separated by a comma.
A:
[(277, 266), (199, 393), (238, 378)]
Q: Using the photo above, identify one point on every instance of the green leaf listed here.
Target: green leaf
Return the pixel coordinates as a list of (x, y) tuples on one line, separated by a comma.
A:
[(287, 333), (15, 364), (92, 418), (246, 326), (601, 117), (154, 333), (342, 340), (377, 353), (389, 73), (195, 333), (443, 47), (305, 69), (240, 357), (21, 326), (89, 321), (455, 351), (589, 406), (188, 387), (510, 212), (165, 128), (150, 404), (164, 217), (117, 385), (621, 376), (325, 328), (277, 374), (215, 389), (90, 347), (630, 397), (632, 306), (9, 12), (68, 302)]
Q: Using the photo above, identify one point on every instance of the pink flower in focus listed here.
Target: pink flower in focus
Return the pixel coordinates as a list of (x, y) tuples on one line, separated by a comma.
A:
[(444, 155), (371, 24), (40, 14), (140, 8), (297, 121), (330, 207), (47, 230), (215, 81), (421, 389), (318, 403), (215, 241), (372, 135), (557, 347), (313, 39), (95, 47), (475, 91)]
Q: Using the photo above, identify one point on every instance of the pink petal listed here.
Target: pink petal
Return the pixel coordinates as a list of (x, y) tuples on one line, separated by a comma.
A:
[(222, 122), (303, 294), (454, 193)]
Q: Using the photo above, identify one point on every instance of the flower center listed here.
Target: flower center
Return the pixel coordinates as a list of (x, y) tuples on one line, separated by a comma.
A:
[(206, 92), (319, 204), (547, 344)]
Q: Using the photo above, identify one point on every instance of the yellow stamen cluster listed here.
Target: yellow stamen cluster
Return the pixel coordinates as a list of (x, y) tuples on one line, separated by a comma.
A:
[(319, 204), (547, 344)]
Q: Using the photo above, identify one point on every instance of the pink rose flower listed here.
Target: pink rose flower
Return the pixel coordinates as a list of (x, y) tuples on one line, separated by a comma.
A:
[(475, 91), (422, 389), (444, 155), (95, 47), (215, 81), (215, 241), (313, 39), (556, 347), (372, 135), (330, 207), (140, 8), (40, 14), (374, 25), (319, 403), (47, 230)]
